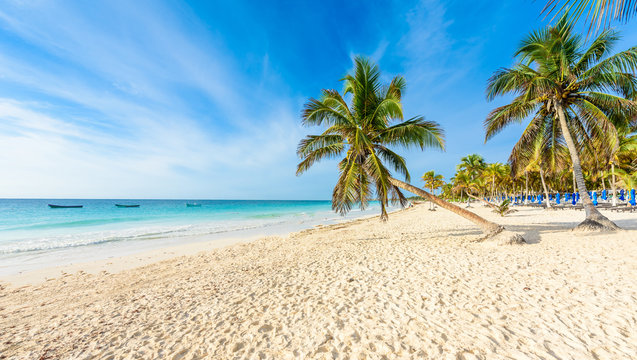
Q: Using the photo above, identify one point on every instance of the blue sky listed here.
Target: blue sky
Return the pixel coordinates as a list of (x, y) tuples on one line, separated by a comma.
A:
[(153, 99)]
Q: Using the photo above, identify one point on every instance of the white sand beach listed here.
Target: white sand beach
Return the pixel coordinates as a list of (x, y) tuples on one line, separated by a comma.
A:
[(418, 286)]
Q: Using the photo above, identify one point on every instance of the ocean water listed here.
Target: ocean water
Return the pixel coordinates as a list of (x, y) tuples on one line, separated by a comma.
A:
[(32, 235)]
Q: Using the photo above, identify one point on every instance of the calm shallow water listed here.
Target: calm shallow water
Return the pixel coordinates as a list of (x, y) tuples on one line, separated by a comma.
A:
[(32, 235)]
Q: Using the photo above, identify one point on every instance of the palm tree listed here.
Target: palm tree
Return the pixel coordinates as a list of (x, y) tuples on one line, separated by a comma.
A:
[(540, 149), (628, 179), (438, 184), (446, 192), (432, 181), (464, 183), (492, 172), (472, 164), (625, 149), (363, 132), (599, 12), (583, 89), (535, 162)]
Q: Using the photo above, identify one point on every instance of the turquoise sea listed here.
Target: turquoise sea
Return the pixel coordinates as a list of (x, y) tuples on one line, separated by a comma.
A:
[(32, 235)]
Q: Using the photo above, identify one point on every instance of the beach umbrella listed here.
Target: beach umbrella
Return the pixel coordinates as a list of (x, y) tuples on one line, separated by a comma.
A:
[(574, 200), (632, 197), (595, 198), (621, 195), (577, 196), (557, 198), (604, 195)]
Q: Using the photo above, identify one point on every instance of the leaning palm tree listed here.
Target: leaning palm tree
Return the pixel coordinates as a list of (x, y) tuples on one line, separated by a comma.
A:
[(582, 89), (363, 133)]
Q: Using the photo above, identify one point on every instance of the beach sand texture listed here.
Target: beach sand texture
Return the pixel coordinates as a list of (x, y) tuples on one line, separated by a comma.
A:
[(415, 287)]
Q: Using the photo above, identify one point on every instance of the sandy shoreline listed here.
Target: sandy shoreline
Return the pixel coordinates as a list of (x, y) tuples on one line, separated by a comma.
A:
[(415, 287), (116, 260)]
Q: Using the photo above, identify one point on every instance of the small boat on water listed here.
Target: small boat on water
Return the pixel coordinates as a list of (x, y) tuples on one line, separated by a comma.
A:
[(193, 205), (126, 206), (52, 206)]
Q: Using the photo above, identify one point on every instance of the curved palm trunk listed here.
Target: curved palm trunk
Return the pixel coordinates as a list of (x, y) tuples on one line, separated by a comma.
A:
[(483, 200), (546, 192), (594, 219), (487, 227)]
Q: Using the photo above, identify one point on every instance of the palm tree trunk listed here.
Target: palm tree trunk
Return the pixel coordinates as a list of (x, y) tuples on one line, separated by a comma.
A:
[(383, 211), (594, 219), (468, 199), (612, 167), (483, 200), (574, 187), (487, 227), (526, 187), (546, 192), (603, 183)]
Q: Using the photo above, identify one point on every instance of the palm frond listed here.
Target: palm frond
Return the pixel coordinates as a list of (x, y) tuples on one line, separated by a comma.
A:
[(395, 160), (325, 152), (316, 112), (503, 116), (415, 131), (599, 13)]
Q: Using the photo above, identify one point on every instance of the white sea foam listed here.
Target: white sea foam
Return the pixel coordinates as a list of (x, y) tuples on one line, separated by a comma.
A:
[(29, 241)]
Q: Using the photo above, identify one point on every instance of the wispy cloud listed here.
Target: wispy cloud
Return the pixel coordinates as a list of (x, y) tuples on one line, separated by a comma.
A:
[(140, 97)]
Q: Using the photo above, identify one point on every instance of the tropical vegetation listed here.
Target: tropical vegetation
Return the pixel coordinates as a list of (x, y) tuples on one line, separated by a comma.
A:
[(362, 133), (576, 96)]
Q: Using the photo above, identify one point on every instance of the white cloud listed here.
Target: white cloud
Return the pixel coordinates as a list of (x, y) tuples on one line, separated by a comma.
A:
[(107, 110)]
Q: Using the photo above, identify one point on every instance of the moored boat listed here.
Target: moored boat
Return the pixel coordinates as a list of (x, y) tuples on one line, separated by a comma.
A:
[(52, 206), (126, 206), (193, 205)]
